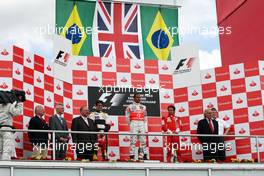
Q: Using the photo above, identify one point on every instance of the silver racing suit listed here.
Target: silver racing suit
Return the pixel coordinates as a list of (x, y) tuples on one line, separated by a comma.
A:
[(136, 116)]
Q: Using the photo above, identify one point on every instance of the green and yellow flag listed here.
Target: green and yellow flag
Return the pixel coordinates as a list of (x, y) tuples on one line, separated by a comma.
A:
[(74, 21), (157, 32)]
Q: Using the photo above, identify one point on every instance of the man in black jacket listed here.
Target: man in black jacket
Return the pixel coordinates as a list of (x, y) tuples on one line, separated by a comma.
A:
[(39, 140), (208, 125), (86, 144)]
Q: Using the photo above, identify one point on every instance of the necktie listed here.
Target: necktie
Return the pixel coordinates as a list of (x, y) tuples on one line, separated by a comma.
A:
[(43, 120), (61, 120), (211, 125), (86, 121)]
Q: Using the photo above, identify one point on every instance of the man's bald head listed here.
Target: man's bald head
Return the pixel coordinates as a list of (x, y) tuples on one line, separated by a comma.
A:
[(39, 110), (84, 110), (207, 113)]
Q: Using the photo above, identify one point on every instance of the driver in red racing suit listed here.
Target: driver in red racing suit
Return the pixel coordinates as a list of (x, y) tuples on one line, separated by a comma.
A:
[(172, 125)]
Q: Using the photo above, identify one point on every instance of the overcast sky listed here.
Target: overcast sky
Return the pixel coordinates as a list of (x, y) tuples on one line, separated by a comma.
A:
[(22, 20)]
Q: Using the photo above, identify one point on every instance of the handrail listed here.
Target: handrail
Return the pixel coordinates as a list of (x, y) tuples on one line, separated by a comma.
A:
[(128, 133), (53, 132)]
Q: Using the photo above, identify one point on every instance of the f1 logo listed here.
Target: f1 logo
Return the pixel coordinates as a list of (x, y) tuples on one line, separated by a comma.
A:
[(183, 61), (65, 56)]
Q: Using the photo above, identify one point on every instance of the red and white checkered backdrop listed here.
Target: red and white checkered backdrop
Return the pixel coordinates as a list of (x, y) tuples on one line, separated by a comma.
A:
[(236, 91)]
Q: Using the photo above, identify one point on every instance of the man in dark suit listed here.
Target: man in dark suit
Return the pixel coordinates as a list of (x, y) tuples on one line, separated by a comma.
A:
[(57, 122), (208, 125), (223, 129), (86, 143), (39, 140)]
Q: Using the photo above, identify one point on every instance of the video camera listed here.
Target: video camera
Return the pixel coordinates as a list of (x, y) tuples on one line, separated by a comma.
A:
[(12, 96)]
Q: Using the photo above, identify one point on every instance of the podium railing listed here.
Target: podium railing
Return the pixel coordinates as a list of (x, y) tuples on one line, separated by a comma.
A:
[(53, 134)]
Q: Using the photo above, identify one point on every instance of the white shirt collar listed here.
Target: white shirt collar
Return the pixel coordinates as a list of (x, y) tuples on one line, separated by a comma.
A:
[(84, 118), (60, 115), (41, 117)]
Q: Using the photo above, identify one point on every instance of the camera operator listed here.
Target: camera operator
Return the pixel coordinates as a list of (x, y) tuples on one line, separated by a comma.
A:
[(10, 106)]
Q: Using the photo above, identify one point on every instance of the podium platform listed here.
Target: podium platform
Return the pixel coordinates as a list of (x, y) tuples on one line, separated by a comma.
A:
[(74, 168)]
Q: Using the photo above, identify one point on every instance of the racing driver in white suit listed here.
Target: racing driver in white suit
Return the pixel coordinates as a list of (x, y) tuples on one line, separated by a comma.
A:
[(136, 116)]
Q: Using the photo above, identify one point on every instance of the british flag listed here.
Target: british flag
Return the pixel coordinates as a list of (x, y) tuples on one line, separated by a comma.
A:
[(118, 31)]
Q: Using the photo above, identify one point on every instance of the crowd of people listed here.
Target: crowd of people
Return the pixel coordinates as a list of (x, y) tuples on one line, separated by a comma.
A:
[(88, 144)]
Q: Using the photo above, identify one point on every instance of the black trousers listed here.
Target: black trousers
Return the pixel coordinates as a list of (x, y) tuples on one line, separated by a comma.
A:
[(85, 153), (60, 150), (210, 151), (221, 152)]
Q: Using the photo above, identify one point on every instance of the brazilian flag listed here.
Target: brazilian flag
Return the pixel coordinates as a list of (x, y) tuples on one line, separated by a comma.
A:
[(157, 32), (74, 21)]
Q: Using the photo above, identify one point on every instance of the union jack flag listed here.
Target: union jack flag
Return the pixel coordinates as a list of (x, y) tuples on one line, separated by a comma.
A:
[(118, 32)]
